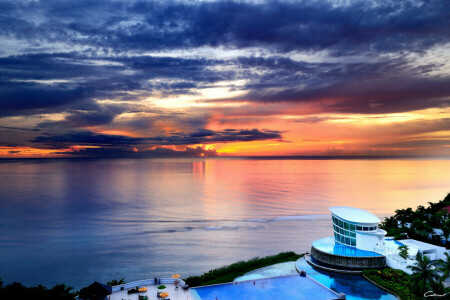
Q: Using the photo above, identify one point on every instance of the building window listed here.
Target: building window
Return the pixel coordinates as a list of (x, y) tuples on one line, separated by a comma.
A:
[(344, 232)]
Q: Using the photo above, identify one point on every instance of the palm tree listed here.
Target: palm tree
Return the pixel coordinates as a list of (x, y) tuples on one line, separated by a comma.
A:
[(445, 227), (424, 274), (445, 266), (116, 282), (403, 251)]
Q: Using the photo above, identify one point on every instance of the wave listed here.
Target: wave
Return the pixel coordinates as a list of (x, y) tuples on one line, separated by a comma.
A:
[(222, 224), (291, 218)]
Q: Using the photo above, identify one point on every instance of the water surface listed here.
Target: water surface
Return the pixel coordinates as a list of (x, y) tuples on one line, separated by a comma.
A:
[(76, 221)]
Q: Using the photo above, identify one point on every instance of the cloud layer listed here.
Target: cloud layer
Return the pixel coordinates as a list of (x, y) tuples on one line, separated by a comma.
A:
[(125, 74)]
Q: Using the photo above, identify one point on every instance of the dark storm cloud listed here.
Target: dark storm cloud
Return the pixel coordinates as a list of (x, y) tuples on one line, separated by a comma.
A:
[(281, 25), (86, 138), (156, 152), (382, 95), (205, 136), (110, 29), (32, 84), (201, 136)]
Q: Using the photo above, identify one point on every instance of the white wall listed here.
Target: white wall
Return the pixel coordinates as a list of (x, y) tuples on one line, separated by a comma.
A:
[(367, 242)]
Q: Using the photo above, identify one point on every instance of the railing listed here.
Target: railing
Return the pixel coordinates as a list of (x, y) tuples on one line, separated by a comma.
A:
[(134, 284), (398, 260)]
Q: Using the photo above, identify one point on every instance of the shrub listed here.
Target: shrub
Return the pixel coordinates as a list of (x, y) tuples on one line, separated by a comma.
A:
[(230, 272), (393, 280)]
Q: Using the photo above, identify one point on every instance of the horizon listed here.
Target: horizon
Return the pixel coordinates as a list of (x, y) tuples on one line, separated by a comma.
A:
[(262, 157), (224, 78)]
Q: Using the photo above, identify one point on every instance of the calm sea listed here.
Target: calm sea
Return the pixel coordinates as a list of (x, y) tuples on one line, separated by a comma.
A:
[(77, 221)]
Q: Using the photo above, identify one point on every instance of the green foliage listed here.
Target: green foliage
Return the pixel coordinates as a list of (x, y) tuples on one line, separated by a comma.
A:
[(422, 221), (228, 273), (393, 280), (403, 251), (425, 275), (116, 282), (18, 291), (445, 266), (161, 287)]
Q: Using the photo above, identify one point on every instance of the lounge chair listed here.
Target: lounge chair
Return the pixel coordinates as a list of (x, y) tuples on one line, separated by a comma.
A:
[(133, 291)]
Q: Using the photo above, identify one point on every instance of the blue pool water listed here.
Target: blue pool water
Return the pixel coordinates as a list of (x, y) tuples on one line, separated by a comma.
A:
[(355, 287), (285, 287), (328, 245), (395, 241)]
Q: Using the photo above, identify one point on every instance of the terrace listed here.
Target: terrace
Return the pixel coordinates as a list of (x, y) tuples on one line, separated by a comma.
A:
[(120, 292)]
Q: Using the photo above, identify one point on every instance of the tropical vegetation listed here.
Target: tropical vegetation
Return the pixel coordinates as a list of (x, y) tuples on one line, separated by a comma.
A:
[(420, 224), (403, 251), (228, 273), (18, 291), (445, 265), (396, 281), (425, 276), (116, 282)]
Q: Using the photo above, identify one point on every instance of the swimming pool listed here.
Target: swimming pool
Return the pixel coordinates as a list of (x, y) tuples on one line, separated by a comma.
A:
[(355, 287), (281, 269), (328, 245), (284, 287), (395, 241)]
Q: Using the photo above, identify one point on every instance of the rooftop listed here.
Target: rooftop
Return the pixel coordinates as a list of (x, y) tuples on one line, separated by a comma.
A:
[(354, 215), (419, 245)]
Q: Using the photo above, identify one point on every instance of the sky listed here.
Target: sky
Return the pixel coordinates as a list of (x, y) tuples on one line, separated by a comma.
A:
[(224, 78)]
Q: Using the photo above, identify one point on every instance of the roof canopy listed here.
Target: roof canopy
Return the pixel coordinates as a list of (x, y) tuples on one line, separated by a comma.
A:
[(95, 291), (354, 215)]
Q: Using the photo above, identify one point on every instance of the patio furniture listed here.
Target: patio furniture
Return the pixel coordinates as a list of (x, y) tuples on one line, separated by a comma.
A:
[(133, 291)]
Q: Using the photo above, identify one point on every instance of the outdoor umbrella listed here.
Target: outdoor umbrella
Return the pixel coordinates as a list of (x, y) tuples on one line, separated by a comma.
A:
[(164, 295)]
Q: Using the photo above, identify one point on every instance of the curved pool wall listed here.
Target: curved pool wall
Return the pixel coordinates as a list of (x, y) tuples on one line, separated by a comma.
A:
[(355, 287), (281, 269), (328, 252), (283, 287)]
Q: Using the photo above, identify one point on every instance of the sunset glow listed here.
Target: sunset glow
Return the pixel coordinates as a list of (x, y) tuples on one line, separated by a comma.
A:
[(354, 81)]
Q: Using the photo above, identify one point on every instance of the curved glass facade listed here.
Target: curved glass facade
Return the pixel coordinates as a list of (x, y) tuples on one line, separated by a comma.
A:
[(344, 232)]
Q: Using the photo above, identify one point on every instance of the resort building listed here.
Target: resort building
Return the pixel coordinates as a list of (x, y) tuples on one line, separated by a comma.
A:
[(356, 236), (359, 244), (356, 227)]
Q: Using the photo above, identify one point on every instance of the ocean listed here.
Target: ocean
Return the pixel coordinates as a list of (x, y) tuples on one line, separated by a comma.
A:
[(79, 221)]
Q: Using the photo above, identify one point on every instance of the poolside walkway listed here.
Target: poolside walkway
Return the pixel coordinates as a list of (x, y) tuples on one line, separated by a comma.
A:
[(174, 294), (152, 290)]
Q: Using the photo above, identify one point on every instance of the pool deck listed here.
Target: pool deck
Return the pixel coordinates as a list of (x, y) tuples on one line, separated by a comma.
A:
[(328, 245), (174, 294), (152, 290)]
